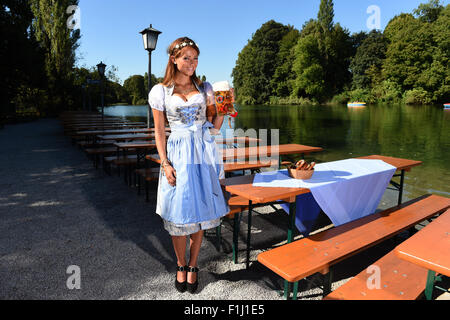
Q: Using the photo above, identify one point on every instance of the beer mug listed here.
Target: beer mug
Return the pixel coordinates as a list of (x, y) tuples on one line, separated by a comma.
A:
[(223, 96)]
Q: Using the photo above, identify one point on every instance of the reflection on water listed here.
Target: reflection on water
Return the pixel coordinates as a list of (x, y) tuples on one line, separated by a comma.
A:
[(412, 132)]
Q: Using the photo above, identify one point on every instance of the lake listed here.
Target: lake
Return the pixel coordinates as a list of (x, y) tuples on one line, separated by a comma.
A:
[(411, 132)]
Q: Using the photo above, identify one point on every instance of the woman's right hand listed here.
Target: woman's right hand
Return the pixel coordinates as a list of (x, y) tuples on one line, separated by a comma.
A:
[(171, 175)]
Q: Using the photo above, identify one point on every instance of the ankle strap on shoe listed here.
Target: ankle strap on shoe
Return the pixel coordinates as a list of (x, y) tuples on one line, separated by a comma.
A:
[(182, 268), (192, 269)]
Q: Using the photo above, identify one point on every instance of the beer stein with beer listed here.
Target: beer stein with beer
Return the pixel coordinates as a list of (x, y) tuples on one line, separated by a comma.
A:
[(223, 96)]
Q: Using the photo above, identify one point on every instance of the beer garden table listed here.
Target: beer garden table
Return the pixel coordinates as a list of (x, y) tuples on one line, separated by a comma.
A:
[(243, 186)]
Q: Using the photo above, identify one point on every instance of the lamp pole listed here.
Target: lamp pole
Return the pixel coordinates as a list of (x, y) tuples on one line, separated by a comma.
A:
[(101, 70), (150, 37)]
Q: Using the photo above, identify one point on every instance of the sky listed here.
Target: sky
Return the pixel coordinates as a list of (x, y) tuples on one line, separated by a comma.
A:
[(110, 29)]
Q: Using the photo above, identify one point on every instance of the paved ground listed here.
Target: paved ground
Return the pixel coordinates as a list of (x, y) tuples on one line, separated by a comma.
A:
[(57, 210)]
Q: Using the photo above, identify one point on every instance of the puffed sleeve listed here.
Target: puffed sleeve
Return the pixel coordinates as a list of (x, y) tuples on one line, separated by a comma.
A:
[(209, 94), (156, 97)]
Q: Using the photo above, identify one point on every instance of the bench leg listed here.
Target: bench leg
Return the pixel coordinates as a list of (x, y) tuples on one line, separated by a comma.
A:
[(287, 290), (430, 284), (219, 236), (295, 291), (327, 281), (235, 236)]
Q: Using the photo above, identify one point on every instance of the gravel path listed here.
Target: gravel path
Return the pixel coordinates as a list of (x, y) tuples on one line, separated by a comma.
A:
[(57, 211)]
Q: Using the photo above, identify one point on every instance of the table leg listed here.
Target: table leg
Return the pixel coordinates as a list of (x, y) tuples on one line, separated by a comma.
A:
[(249, 226), (236, 236), (291, 226), (402, 179)]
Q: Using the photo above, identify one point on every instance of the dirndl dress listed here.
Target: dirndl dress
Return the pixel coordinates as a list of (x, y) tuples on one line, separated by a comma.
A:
[(196, 202)]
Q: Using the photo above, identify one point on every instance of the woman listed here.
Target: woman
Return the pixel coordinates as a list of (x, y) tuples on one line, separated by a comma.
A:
[(190, 199)]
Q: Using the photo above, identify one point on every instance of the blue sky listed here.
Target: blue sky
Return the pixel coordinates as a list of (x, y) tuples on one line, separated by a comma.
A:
[(110, 29)]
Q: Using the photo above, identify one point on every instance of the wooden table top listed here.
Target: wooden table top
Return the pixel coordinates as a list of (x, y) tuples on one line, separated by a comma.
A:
[(399, 163), (243, 185), (430, 246), (104, 127), (136, 145), (283, 149), (137, 136), (116, 131), (245, 140)]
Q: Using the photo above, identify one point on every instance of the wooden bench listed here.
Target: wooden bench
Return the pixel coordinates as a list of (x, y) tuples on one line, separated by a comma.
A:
[(121, 161), (148, 175), (399, 280), (319, 252), (96, 153)]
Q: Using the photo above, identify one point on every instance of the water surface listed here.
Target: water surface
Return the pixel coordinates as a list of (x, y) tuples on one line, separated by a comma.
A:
[(411, 132)]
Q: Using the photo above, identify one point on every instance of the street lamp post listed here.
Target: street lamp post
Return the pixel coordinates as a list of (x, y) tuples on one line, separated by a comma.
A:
[(101, 70), (150, 37)]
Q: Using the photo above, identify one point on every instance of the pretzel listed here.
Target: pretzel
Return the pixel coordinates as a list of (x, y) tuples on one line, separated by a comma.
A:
[(311, 167), (300, 164)]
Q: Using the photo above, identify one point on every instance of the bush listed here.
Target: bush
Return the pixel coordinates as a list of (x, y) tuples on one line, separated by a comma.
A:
[(342, 98), (299, 101), (417, 96), (140, 102), (246, 100), (387, 91)]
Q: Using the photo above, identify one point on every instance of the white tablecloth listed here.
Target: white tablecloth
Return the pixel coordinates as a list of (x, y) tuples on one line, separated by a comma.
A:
[(345, 190)]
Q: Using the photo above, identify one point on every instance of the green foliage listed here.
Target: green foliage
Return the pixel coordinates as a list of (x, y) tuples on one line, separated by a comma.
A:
[(135, 86), (299, 101), (308, 68), (326, 15), (367, 62), (281, 82), (322, 58), (429, 12), (255, 64), (22, 58), (408, 61), (49, 26), (417, 96), (417, 56)]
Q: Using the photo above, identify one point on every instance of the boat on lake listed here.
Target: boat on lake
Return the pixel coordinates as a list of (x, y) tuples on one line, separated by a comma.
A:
[(446, 105), (356, 104)]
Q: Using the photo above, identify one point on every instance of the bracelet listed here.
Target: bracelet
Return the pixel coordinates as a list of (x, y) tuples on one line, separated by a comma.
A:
[(165, 163)]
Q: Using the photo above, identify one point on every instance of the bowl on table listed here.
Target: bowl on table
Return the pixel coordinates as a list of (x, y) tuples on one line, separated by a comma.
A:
[(300, 174)]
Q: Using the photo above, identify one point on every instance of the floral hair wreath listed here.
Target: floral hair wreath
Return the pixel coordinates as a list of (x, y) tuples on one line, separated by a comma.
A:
[(182, 45)]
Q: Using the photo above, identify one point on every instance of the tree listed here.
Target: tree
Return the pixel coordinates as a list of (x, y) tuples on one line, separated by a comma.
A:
[(22, 60), (135, 87), (326, 15), (429, 12), (308, 68), (281, 82), (417, 55), (368, 60), (322, 57), (255, 64), (59, 44)]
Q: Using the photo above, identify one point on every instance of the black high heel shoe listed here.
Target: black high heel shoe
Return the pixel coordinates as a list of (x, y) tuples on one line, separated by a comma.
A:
[(192, 287), (181, 286)]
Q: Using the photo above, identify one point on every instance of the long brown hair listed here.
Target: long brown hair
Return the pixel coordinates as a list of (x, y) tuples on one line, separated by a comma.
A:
[(175, 51)]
